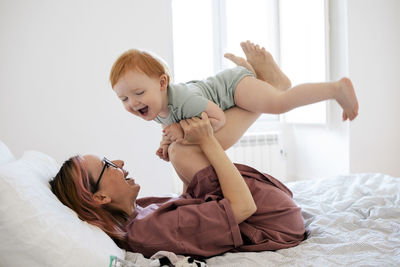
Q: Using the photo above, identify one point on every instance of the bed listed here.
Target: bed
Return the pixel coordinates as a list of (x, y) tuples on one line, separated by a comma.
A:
[(353, 220)]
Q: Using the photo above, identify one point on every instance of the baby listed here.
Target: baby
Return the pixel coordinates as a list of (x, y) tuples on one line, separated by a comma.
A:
[(142, 82)]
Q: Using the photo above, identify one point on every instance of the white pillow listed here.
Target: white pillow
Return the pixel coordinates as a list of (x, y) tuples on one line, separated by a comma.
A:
[(5, 154), (36, 229)]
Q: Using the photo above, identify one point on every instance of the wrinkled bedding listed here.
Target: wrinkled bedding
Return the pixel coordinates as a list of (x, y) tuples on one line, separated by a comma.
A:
[(352, 220)]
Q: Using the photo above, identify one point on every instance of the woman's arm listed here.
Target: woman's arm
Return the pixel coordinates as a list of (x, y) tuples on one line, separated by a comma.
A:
[(235, 190)]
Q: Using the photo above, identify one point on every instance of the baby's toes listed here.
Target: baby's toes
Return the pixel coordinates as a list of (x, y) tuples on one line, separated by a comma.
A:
[(344, 116)]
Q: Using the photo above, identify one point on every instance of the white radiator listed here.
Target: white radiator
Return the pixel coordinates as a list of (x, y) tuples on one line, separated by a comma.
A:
[(261, 151)]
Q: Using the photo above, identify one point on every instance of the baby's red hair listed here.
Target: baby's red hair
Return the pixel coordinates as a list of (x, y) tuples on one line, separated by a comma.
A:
[(138, 60)]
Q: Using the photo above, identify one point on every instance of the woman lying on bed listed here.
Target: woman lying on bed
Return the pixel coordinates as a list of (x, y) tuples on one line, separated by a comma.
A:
[(225, 207)]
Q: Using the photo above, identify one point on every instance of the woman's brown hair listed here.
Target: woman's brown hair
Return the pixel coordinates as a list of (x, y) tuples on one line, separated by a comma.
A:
[(74, 187)]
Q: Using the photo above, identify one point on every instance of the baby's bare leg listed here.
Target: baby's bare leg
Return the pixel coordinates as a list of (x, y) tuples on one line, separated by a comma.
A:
[(240, 62), (265, 66), (262, 64), (347, 99), (260, 95), (257, 96)]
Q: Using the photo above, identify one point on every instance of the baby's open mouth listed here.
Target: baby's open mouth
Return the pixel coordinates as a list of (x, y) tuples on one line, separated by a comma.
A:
[(144, 110)]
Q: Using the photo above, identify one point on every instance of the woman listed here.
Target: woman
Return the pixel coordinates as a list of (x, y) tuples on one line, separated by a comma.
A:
[(224, 208)]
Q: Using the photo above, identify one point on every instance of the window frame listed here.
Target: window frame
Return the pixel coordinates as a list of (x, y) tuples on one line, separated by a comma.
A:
[(219, 45)]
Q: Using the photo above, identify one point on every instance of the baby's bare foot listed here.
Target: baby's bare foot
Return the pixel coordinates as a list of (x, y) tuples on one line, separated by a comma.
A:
[(264, 65), (347, 99), (239, 61)]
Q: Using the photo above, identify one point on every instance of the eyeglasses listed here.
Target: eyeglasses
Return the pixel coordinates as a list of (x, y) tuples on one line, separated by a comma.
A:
[(107, 163)]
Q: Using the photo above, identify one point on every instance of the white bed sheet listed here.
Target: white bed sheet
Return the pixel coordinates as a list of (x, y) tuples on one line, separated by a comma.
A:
[(353, 220)]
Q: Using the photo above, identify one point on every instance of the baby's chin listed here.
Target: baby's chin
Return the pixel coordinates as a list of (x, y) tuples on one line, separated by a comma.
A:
[(144, 117), (149, 118)]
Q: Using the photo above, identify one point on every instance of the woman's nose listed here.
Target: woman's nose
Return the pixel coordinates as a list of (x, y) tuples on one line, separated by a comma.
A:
[(119, 163)]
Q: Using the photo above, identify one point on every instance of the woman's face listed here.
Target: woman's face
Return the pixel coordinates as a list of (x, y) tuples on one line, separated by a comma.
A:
[(114, 188)]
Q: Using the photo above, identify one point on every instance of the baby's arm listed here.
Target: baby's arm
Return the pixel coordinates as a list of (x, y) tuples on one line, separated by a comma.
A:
[(216, 115)]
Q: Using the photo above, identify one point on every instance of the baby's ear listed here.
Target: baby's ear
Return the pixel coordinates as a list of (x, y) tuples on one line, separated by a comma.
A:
[(163, 81)]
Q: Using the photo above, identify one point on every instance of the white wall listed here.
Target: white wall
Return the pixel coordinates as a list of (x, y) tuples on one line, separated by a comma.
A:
[(374, 64), (54, 91)]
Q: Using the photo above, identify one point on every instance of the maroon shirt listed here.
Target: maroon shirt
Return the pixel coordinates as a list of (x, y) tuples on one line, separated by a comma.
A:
[(201, 222)]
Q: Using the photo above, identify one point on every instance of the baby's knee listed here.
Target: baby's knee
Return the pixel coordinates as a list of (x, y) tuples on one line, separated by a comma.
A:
[(279, 106)]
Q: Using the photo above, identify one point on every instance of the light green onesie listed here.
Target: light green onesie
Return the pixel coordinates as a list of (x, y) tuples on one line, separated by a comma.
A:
[(187, 100)]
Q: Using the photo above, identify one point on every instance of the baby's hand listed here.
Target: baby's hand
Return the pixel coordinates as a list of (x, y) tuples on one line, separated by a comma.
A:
[(173, 132), (162, 151)]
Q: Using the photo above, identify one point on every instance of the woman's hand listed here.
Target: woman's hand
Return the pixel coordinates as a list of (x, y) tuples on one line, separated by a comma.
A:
[(196, 130)]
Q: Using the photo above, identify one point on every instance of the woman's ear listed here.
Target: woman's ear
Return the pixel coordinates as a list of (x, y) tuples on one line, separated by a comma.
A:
[(101, 199), (163, 81)]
